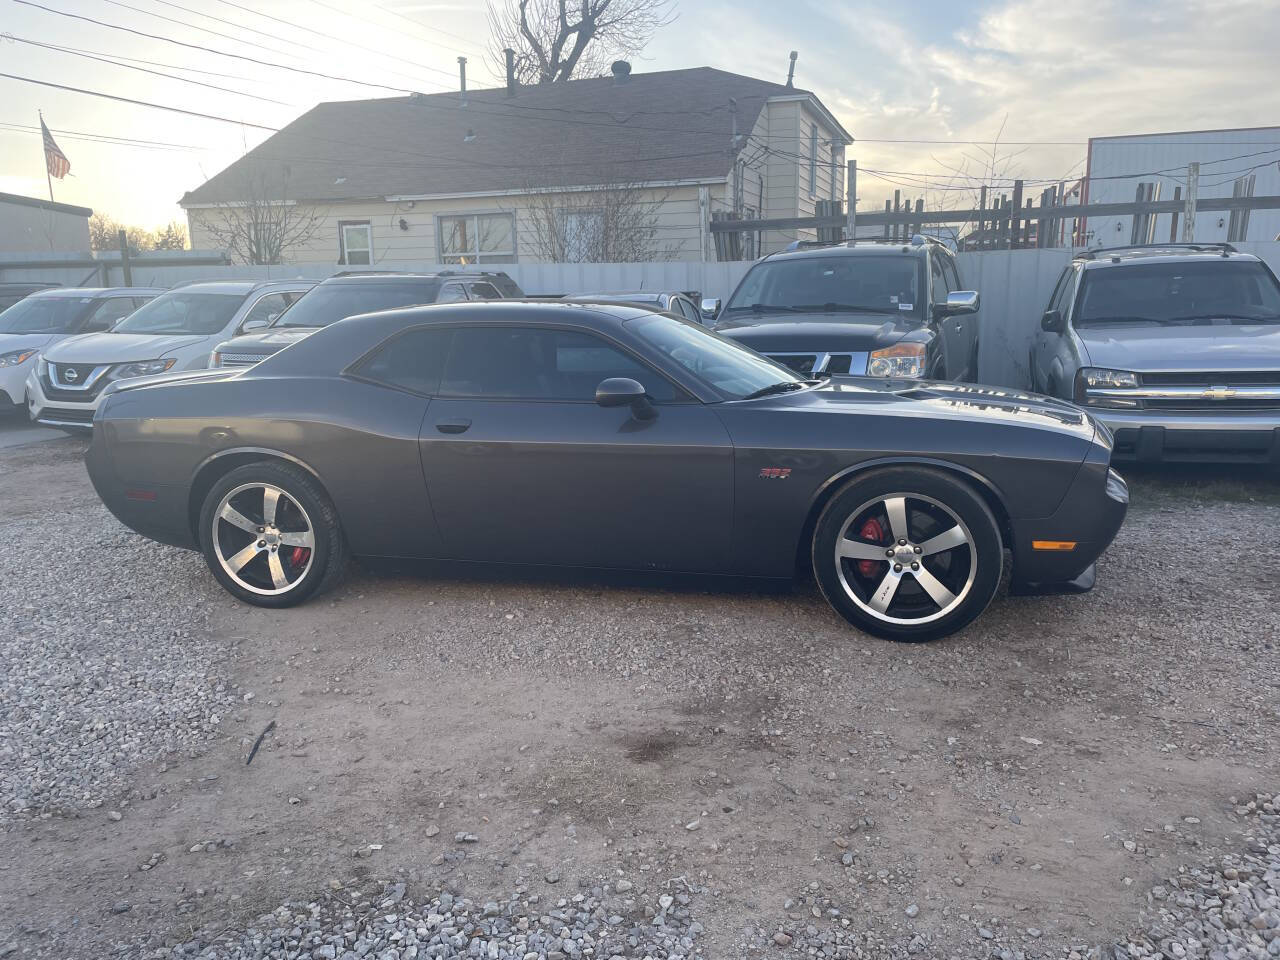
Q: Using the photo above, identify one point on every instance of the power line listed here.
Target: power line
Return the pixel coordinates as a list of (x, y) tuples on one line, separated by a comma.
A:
[(158, 73), (139, 103), (152, 63), (204, 49), (6, 127), (195, 26), (425, 28)]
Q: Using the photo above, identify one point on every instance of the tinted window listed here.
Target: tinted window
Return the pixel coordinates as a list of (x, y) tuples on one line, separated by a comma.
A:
[(413, 360), (879, 284), (267, 308), (1173, 292), (483, 291), (183, 312), (108, 312), (45, 315), (540, 364), (1055, 300), (330, 302), (451, 293), (685, 308), (939, 285)]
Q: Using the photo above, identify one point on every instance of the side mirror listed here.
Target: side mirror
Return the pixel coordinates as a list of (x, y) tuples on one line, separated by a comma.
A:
[(710, 307), (959, 302), (623, 392), (1053, 321), (254, 325)]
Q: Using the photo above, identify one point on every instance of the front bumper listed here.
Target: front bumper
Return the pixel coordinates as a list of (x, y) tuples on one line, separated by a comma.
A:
[(1152, 436), (73, 416), (13, 384)]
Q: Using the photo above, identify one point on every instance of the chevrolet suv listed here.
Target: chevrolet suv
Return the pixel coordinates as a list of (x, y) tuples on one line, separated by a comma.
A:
[(876, 307), (1175, 347), (347, 294)]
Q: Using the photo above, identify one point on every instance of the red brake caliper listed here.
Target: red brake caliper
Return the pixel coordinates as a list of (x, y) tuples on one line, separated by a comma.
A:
[(299, 557), (874, 532)]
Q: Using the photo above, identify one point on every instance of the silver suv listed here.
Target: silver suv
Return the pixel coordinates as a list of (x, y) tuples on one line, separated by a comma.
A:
[(1176, 348)]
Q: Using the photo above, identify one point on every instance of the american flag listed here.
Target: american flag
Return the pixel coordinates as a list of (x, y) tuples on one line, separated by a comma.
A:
[(54, 159)]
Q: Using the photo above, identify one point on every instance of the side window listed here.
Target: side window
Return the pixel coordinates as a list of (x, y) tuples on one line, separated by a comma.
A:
[(411, 360), (108, 312), (951, 273), (686, 309), (534, 364), (483, 291), (451, 293), (1067, 306), (266, 309), (938, 285), (1055, 300)]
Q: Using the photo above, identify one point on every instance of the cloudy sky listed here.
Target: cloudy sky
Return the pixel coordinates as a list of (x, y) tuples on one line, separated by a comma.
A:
[(924, 87)]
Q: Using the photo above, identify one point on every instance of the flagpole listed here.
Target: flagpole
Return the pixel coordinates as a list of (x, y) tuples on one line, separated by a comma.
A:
[(47, 177)]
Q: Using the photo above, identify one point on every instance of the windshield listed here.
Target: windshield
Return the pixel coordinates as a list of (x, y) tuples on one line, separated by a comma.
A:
[(888, 284), (1203, 291), (45, 315), (183, 312), (329, 303), (728, 366)]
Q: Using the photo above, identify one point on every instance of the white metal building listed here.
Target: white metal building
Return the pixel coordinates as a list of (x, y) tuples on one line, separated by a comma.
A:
[(31, 225), (1242, 162)]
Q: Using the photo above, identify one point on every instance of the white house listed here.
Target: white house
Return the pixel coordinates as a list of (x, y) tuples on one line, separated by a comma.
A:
[(537, 173), (1242, 162)]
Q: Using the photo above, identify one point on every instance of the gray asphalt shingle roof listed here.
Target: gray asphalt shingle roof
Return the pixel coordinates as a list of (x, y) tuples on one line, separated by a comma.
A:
[(669, 125)]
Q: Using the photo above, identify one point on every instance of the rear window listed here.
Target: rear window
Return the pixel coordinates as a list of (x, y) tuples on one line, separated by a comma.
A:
[(330, 302)]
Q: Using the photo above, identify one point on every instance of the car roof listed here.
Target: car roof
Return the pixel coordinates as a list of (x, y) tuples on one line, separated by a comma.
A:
[(859, 248), (1108, 257), (96, 292), (637, 295), (375, 276)]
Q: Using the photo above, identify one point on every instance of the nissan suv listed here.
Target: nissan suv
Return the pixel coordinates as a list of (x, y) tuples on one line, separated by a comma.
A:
[(1175, 347), (882, 308), (348, 294)]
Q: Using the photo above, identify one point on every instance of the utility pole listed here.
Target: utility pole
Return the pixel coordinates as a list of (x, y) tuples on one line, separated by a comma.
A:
[(851, 203), (124, 259), (1189, 212)]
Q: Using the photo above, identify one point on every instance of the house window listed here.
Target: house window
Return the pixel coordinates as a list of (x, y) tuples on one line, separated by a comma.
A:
[(355, 243), (476, 238), (813, 159), (583, 235)]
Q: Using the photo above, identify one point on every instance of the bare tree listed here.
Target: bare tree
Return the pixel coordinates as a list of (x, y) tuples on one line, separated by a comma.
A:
[(611, 223), (265, 224), (558, 40)]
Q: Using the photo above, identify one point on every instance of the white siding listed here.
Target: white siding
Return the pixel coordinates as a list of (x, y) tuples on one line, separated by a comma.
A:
[(1223, 155)]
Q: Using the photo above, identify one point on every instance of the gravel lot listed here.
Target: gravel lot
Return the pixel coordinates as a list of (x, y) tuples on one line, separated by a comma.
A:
[(502, 766)]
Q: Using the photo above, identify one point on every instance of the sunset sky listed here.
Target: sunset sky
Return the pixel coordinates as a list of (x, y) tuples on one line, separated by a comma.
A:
[(944, 76)]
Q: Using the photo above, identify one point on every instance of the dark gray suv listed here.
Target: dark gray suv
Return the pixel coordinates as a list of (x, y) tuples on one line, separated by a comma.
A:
[(883, 308), (1176, 348)]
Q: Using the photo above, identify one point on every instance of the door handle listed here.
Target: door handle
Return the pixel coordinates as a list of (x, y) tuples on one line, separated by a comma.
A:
[(454, 426)]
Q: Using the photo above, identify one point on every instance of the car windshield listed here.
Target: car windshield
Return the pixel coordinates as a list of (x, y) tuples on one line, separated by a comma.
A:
[(331, 302), (889, 284), (183, 311), (1174, 293), (719, 361), (45, 315)]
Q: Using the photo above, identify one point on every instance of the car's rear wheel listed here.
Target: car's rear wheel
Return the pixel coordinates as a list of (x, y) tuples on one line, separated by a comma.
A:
[(271, 536), (907, 553)]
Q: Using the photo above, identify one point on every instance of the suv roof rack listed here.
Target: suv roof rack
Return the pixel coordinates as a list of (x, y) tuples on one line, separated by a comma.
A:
[(1222, 248), (915, 240)]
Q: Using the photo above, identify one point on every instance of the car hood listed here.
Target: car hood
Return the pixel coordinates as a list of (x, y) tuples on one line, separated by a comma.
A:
[(940, 400), (1154, 349), (269, 341), (818, 331), (10, 342), (118, 347)]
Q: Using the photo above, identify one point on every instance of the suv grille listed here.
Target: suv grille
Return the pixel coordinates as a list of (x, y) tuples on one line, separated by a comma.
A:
[(77, 382), (1233, 378), (240, 359)]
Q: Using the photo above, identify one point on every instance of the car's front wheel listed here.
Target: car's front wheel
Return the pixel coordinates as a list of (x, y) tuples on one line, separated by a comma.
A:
[(907, 553), (270, 534)]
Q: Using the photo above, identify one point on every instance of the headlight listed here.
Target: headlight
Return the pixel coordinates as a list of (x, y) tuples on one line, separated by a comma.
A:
[(42, 368), (16, 357), (215, 359), (143, 368), (900, 360), (1102, 378)]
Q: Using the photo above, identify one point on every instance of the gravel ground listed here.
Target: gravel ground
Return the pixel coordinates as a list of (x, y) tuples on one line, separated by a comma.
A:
[(1072, 775)]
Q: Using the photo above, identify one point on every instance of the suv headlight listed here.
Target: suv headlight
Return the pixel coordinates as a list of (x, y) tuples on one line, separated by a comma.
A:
[(142, 368), (16, 358), (900, 360), (1103, 378)]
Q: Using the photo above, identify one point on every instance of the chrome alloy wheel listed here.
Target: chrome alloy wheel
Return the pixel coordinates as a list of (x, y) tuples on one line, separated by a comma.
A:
[(905, 558), (263, 538)]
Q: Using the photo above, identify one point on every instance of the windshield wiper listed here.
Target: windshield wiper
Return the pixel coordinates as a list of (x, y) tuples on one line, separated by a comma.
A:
[(847, 308), (1223, 316), (782, 386), (1085, 321)]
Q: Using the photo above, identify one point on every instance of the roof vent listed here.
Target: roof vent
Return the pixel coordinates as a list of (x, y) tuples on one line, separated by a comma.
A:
[(621, 71)]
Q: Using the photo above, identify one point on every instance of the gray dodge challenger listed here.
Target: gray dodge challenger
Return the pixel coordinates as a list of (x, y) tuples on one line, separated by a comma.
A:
[(607, 436)]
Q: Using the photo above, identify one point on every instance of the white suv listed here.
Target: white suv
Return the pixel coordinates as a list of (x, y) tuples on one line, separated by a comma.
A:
[(175, 331)]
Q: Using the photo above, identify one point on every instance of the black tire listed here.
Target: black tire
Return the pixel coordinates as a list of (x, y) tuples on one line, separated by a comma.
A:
[(329, 556), (934, 501)]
